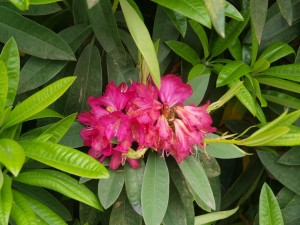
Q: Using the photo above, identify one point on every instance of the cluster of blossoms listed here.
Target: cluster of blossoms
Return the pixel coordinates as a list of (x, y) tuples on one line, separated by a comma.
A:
[(145, 117)]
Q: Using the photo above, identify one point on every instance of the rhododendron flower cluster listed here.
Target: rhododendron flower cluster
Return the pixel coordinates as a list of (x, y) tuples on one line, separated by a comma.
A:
[(142, 116)]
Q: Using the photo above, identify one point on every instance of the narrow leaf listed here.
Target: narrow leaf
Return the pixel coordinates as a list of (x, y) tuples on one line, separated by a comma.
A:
[(61, 183), (280, 83), (201, 35), (232, 12), (155, 189), (216, 10), (6, 200), (178, 19), (276, 51), (142, 39), (64, 158), (281, 98), (20, 4), (260, 65), (289, 139), (286, 10), (3, 85), (289, 72), (41, 2), (258, 9)]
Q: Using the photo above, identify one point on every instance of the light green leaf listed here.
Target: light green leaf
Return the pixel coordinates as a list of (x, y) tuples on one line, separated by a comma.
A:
[(64, 158), (38, 101), (258, 9), (232, 12), (155, 189), (281, 98), (291, 157), (198, 181), (20, 4), (41, 2), (216, 10), (201, 35), (289, 72), (12, 155), (232, 71), (6, 200), (276, 51), (192, 9), (142, 39), (214, 216), (3, 85), (110, 189), (261, 65), (60, 182), (45, 113), (289, 139), (184, 51), (269, 211), (279, 83), (10, 57), (32, 37), (1, 178), (221, 150), (4, 114), (286, 10)]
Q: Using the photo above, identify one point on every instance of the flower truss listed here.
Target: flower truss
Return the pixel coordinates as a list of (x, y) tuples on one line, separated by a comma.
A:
[(142, 116)]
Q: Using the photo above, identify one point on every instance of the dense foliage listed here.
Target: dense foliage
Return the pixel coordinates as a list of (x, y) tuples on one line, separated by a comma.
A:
[(154, 69)]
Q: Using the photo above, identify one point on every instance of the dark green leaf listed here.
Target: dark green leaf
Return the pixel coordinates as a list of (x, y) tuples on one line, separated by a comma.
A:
[(201, 35), (178, 19), (236, 50), (155, 189), (72, 137), (33, 38), (216, 10), (41, 2), (110, 189), (4, 85), (45, 113), (291, 157), (286, 10), (258, 9), (80, 12), (6, 200), (130, 45)]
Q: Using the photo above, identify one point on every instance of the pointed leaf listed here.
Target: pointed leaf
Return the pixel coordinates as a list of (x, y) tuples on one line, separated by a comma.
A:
[(155, 189), (216, 10), (110, 189), (33, 38), (192, 9), (198, 181), (201, 35), (72, 137), (178, 19), (64, 158), (38, 101), (291, 157), (20, 4), (286, 10), (269, 211), (214, 216), (260, 65), (289, 139), (3, 85), (280, 83), (276, 51), (258, 9), (142, 39), (10, 57), (40, 2), (289, 72), (232, 12), (281, 98), (11, 155), (60, 182), (6, 200), (45, 113)]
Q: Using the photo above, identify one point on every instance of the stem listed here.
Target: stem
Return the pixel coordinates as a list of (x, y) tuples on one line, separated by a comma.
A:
[(218, 140), (115, 5)]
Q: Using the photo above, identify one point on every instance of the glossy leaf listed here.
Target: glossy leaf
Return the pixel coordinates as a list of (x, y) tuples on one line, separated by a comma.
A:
[(214, 216), (105, 28), (281, 98), (193, 9), (88, 82), (61, 183), (142, 39), (40, 2), (291, 157), (184, 51), (178, 19), (4, 85), (4, 114), (269, 211), (232, 12), (261, 65), (198, 181), (33, 38), (20, 4), (258, 9), (286, 10), (289, 139), (289, 72), (10, 57), (201, 35), (232, 71), (64, 158), (133, 185), (6, 200), (279, 83), (12, 155), (123, 213), (155, 189), (38, 101), (221, 150), (276, 51), (110, 189), (216, 10)]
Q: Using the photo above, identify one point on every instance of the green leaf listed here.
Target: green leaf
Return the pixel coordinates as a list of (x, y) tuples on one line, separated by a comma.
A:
[(33, 38), (20, 4), (291, 157), (201, 35), (105, 28), (198, 181), (110, 189), (232, 12), (214, 216), (286, 10), (178, 19), (12, 155), (72, 137), (269, 211), (6, 200), (281, 98), (41, 2), (4, 114), (133, 185), (184, 51), (192, 9), (38, 101), (258, 9), (216, 10), (261, 65), (10, 57), (289, 139), (64, 158), (1, 179), (80, 14), (276, 51), (21, 212), (3, 85), (36, 10), (37, 71), (283, 173), (60, 182), (88, 82), (232, 32), (280, 83), (221, 150), (123, 213), (236, 50), (45, 113), (155, 189), (289, 72), (142, 39), (232, 71)]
